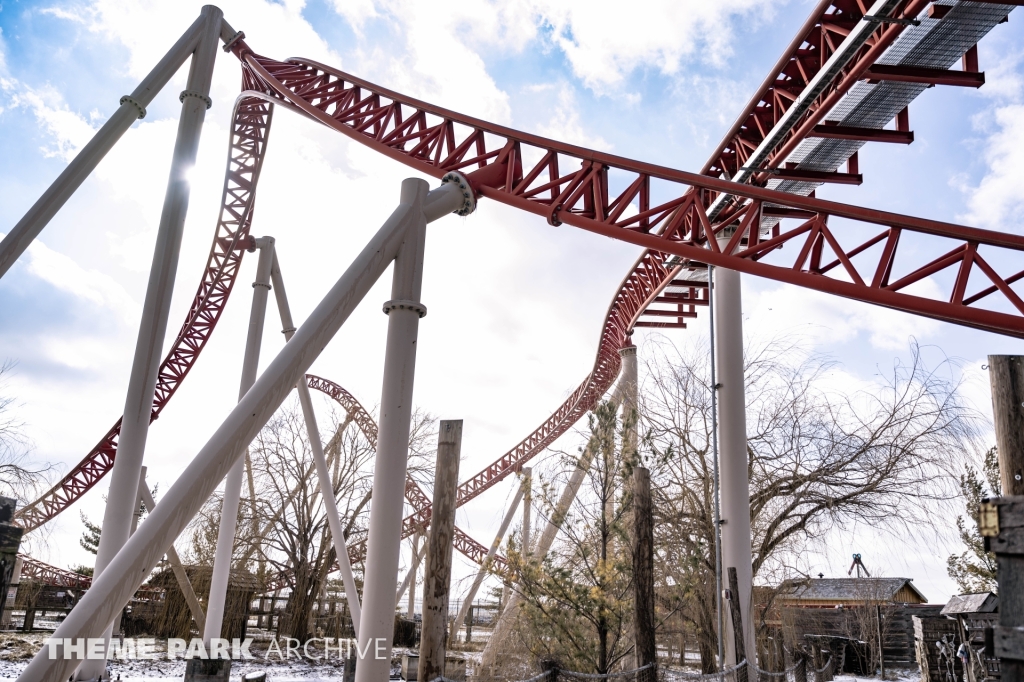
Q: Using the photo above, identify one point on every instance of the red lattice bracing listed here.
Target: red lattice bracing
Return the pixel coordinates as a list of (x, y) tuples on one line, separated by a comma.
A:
[(664, 209), (841, 249), (245, 157), (814, 44), (39, 572)]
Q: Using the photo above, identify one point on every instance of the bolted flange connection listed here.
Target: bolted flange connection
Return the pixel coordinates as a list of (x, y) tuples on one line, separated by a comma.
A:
[(468, 197), (197, 95), (127, 99), (419, 308), (240, 35)]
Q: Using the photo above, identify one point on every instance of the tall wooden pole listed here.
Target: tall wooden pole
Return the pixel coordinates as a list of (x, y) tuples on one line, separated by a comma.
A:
[(643, 569), (739, 644), (1006, 375), (1001, 521), (10, 540), (437, 576)]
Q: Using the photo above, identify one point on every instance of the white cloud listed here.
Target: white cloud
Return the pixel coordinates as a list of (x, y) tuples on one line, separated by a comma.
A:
[(68, 130), (565, 125), (827, 321), (605, 41), (996, 201)]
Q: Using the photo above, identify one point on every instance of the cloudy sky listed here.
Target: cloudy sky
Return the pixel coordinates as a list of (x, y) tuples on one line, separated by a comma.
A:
[(515, 305)]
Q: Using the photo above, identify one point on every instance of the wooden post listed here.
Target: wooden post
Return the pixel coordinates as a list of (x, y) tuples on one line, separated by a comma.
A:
[(1006, 375), (643, 569), (10, 540), (737, 623), (1001, 522), (881, 648), (439, 552), (800, 674)]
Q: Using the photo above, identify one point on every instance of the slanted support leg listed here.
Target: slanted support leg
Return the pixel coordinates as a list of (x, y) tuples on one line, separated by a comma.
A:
[(233, 483), (112, 589), (124, 477), (319, 460)]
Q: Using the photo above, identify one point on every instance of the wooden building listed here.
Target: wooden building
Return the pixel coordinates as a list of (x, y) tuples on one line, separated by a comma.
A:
[(856, 620)]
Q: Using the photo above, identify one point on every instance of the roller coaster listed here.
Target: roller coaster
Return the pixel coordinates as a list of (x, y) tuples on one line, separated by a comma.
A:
[(851, 69)]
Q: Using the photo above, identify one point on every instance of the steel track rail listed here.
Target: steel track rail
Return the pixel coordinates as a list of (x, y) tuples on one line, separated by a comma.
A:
[(251, 125)]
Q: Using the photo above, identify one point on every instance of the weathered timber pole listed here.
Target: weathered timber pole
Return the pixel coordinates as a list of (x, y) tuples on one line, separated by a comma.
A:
[(643, 570), (440, 542), (1006, 375), (737, 623), (10, 540), (1001, 521)]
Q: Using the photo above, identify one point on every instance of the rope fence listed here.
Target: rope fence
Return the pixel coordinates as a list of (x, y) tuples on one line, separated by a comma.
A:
[(652, 672)]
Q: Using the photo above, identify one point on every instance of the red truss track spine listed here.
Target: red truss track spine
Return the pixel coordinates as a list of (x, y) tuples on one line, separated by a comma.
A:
[(572, 185), (245, 158), (815, 42)]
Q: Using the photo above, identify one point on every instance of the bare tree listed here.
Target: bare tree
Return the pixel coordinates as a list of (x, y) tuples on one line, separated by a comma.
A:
[(20, 477), (819, 460)]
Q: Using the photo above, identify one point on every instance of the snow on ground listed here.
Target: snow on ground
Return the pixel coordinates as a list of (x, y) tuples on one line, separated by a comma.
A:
[(17, 649)]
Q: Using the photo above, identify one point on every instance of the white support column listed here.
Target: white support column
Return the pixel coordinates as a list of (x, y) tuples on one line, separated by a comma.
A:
[(491, 551), (138, 408), (527, 511), (320, 462), (132, 108), (630, 388), (233, 483), (732, 438), (410, 575), (112, 589), (511, 610), (413, 571), (179, 571), (383, 541), (137, 512)]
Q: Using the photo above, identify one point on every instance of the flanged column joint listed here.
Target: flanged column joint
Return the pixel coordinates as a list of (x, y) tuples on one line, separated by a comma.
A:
[(234, 39), (399, 304), (130, 100), (197, 95), (468, 196)]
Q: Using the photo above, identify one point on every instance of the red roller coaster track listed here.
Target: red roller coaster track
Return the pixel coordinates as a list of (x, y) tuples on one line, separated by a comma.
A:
[(855, 252)]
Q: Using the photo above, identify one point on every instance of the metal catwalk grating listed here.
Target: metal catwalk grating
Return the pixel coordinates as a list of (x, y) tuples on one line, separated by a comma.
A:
[(936, 43)]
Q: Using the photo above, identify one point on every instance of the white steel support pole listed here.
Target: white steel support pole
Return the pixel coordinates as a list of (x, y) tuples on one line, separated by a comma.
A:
[(112, 589), (527, 511), (233, 483), (138, 406), (179, 571), (508, 615), (320, 462), (630, 417), (413, 571), (491, 551), (732, 439), (410, 575), (132, 108), (383, 542), (137, 512)]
